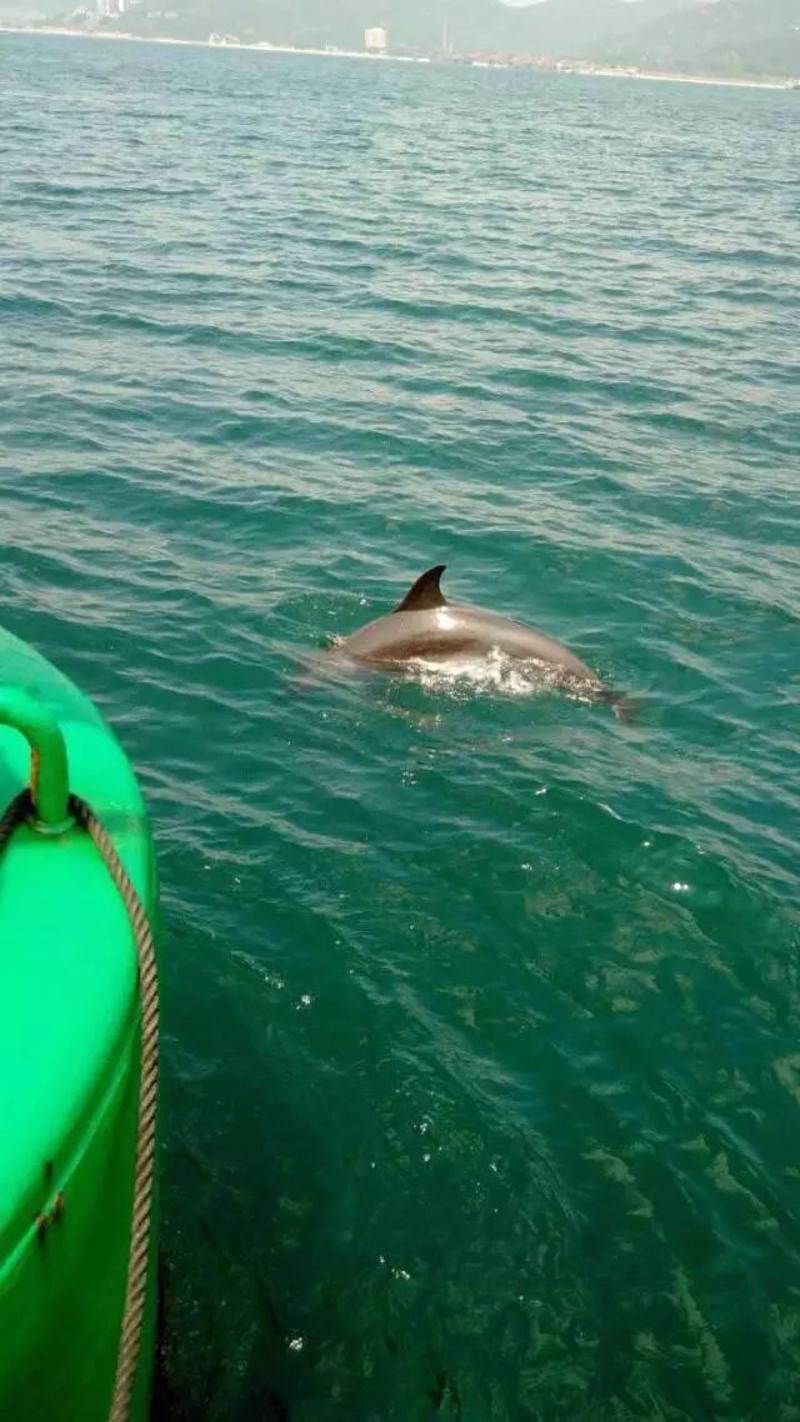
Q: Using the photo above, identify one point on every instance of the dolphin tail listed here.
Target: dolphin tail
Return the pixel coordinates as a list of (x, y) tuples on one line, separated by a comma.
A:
[(625, 708)]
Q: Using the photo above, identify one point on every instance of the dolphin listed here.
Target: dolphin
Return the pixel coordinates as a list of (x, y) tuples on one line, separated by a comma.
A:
[(426, 627)]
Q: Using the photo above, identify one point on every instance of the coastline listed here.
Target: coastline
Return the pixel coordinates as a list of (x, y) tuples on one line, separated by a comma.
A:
[(667, 78), (264, 47)]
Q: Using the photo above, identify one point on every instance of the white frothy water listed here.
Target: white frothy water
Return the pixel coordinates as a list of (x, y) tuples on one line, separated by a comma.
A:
[(496, 673)]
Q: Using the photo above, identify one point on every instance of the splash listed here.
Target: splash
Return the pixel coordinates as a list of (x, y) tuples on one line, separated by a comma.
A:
[(498, 674)]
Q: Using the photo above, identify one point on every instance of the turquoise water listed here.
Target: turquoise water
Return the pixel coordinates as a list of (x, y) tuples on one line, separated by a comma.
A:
[(482, 1051)]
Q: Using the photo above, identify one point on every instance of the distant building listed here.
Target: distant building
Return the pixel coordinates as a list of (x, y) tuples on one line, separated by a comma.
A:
[(376, 40), (108, 9)]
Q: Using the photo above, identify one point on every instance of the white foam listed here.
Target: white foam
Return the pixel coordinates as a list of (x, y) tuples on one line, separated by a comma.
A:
[(496, 674)]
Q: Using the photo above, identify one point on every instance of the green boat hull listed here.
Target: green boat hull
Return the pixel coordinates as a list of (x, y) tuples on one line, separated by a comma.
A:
[(69, 1073)]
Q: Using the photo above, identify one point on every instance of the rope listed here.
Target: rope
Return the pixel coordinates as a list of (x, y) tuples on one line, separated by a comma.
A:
[(18, 810), (139, 1252)]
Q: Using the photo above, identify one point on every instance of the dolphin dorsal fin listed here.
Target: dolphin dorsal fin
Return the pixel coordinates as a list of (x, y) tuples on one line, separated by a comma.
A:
[(425, 593)]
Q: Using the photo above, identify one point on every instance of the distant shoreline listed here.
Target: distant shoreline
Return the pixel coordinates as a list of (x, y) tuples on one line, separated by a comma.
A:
[(263, 47), (586, 71), (667, 78)]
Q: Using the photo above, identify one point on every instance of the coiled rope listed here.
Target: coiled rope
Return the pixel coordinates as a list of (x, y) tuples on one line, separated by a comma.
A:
[(130, 1340)]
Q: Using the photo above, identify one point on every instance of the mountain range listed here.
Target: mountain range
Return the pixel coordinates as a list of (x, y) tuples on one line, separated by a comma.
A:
[(735, 38)]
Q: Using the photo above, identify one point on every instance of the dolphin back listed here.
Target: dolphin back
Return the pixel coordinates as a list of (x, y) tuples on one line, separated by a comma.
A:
[(425, 625)]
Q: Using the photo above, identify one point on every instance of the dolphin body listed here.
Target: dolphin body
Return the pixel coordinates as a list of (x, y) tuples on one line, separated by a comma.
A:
[(426, 627)]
